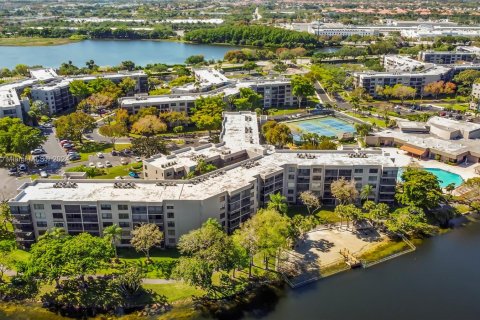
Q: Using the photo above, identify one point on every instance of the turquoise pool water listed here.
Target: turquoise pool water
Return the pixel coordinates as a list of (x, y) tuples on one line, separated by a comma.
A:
[(325, 126), (444, 177)]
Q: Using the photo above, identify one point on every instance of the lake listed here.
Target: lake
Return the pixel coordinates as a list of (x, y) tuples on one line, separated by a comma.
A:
[(108, 53), (441, 280), (112, 52)]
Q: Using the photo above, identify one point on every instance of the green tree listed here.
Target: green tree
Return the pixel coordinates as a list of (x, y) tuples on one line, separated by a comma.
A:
[(366, 191), (403, 92), (311, 201), (277, 134), (249, 66), (207, 113), (127, 65), (38, 109), (24, 139), (113, 131), (195, 59), (74, 126), (278, 202), (419, 188), (149, 126), (79, 89), (344, 191), (145, 237), (21, 69), (302, 87), (249, 100), (348, 212), (148, 146), (408, 220), (127, 85), (113, 234)]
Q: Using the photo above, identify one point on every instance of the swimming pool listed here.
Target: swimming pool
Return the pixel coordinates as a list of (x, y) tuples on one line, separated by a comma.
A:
[(324, 126), (444, 177)]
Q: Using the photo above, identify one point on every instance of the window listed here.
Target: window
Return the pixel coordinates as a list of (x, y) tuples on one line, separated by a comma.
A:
[(171, 240), (38, 206), (171, 233), (171, 224), (170, 215), (56, 207), (222, 215), (40, 215), (107, 224), (291, 177), (58, 215), (358, 170), (42, 224), (373, 171), (317, 170), (372, 178), (89, 209), (222, 198), (139, 210), (124, 224), (123, 216), (72, 209), (170, 207), (123, 207), (105, 207), (58, 225), (106, 215), (290, 191)]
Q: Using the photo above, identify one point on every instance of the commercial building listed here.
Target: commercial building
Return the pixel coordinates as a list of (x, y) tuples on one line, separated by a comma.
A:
[(446, 57), (276, 93), (11, 105), (446, 140), (230, 194), (338, 29), (401, 63)]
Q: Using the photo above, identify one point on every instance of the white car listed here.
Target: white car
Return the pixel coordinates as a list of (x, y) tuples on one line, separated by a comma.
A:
[(123, 161), (100, 155), (91, 165), (138, 159), (108, 164), (99, 165), (43, 174)]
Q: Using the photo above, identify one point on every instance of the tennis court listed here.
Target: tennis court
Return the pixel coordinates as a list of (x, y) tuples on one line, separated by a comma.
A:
[(325, 126)]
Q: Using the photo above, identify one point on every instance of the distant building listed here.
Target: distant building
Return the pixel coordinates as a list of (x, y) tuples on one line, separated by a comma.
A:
[(341, 30), (446, 57), (401, 63), (475, 102)]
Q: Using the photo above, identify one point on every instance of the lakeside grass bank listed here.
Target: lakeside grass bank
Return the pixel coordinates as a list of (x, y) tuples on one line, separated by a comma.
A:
[(34, 41)]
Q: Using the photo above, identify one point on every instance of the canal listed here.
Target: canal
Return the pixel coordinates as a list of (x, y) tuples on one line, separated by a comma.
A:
[(441, 280)]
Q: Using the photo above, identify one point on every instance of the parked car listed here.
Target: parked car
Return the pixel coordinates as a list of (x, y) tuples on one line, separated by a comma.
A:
[(68, 145), (22, 167), (108, 164), (12, 171), (62, 142), (114, 153), (123, 161), (133, 174), (73, 157), (91, 165), (40, 160), (100, 155), (37, 151), (47, 125), (138, 159), (127, 151), (99, 165), (43, 174)]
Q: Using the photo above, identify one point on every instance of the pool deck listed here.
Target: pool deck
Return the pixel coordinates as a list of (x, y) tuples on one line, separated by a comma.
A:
[(464, 171)]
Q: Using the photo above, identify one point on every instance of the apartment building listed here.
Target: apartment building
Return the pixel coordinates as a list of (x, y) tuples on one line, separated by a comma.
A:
[(475, 97), (276, 93), (56, 93), (230, 194), (11, 105), (205, 79), (446, 57), (371, 80), (338, 29), (401, 63)]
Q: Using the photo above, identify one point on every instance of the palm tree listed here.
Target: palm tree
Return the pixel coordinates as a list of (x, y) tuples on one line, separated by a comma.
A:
[(278, 202), (366, 192), (113, 233)]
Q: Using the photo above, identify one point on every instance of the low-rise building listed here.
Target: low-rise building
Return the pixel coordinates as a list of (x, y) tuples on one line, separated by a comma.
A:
[(446, 57), (475, 98), (338, 29), (11, 105), (452, 129), (395, 62), (230, 194)]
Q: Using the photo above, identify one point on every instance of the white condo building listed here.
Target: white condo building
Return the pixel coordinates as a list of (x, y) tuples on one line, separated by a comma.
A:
[(247, 174)]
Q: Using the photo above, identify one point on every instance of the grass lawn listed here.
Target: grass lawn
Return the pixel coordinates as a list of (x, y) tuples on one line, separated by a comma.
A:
[(372, 120), (116, 171), (382, 250), (26, 41), (285, 111), (455, 106), (174, 291), (90, 148), (325, 214)]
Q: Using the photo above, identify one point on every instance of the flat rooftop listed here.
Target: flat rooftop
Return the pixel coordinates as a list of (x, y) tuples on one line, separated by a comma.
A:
[(210, 76), (9, 98), (240, 129), (235, 178), (449, 124), (43, 74)]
